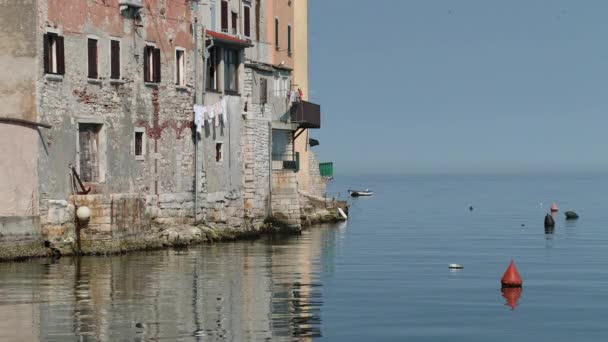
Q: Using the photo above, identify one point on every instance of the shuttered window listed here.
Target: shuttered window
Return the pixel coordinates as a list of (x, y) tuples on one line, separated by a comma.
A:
[(235, 19), (224, 16), (263, 91), (247, 21), (179, 67), (92, 49), (88, 150), (276, 33), (53, 54), (157, 65), (115, 59), (151, 64), (289, 39)]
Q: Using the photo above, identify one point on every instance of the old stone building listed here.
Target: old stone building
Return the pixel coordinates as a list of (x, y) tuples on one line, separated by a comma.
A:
[(149, 112)]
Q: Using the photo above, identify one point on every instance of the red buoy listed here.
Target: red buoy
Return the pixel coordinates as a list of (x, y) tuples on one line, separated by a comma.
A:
[(511, 278), (554, 207)]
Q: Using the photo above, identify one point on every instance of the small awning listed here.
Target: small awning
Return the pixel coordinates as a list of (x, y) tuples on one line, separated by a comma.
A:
[(226, 39), (313, 142)]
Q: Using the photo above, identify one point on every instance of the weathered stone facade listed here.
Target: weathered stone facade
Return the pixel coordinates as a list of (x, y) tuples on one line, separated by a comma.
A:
[(132, 138)]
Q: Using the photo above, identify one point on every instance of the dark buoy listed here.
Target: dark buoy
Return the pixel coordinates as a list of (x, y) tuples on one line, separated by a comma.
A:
[(571, 215), (471, 208), (511, 278), (549, 221)]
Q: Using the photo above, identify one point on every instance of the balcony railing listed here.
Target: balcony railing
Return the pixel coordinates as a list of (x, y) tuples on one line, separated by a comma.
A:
[(306, 114), (286, 161)]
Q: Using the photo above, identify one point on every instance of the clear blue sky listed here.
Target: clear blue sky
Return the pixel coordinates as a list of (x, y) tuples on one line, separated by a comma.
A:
[(442, 85)]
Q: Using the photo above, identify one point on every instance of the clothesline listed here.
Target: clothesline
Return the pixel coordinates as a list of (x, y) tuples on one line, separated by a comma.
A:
[(212, 115)]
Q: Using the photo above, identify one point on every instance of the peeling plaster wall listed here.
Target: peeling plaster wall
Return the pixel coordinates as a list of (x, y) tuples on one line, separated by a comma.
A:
[(18, 143), (163, 111)]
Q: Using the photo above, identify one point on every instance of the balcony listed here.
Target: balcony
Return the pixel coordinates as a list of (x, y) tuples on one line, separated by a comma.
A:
[(306, 114), (286, 161)]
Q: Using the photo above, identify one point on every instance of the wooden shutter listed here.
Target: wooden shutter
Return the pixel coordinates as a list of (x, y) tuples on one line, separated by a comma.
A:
[(156, 63), (115, 62), (263, 91), (147, 56), (60, 55), (92, 58), (47, 59), (289, 39), (276, 33), (224, 16), (246, 22)]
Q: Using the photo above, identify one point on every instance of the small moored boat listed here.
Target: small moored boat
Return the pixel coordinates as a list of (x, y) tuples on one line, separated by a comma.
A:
[(357, 193)]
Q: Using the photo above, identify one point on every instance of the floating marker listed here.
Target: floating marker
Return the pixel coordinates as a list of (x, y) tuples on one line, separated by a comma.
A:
[(571, 215), (456, 266), (554, 207), (511, 278), (549, 221)]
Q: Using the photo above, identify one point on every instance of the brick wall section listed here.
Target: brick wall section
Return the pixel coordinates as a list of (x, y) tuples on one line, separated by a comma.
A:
[(285, 198)]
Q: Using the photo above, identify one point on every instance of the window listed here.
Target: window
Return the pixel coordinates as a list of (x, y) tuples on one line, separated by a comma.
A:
[(231, 67), (289, 39), (179, 67), (139, 143), (225, 16), (276, 33), (114, 59), (151, 64), (281, 86), (247, 21), (212, 66), (235, 20), (218, 152), (53, 54), (93, 58), (263, 90), (88, 139), (212, 16)]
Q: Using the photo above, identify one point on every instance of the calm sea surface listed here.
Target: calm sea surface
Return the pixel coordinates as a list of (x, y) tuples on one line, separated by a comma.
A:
[(383, 276)]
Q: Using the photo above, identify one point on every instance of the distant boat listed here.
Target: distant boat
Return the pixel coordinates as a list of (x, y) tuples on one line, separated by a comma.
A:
[(357, 193)]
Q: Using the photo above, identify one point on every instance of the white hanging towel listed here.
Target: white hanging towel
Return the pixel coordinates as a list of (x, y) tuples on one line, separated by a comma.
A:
[(199, 117), (211, 112), (224, 112)]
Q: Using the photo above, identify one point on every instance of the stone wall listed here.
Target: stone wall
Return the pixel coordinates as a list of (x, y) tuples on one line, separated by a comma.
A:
[(285, 198), (164, 174), (317, 184)]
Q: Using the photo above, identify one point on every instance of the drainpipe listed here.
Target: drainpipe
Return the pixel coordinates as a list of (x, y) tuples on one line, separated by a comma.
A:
[(196, 101)]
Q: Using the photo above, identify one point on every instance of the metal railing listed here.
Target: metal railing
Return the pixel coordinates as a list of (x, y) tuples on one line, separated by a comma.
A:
[(286, 161)]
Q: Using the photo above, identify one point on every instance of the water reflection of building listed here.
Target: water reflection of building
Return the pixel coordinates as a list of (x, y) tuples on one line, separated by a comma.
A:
[(262, 290)]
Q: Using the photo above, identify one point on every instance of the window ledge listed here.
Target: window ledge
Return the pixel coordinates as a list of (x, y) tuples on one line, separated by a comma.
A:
[(151, 84), (54, 77), (182, 88), (117, 81), (140, 158), (94, 81), (213, 91), (232, 93)]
